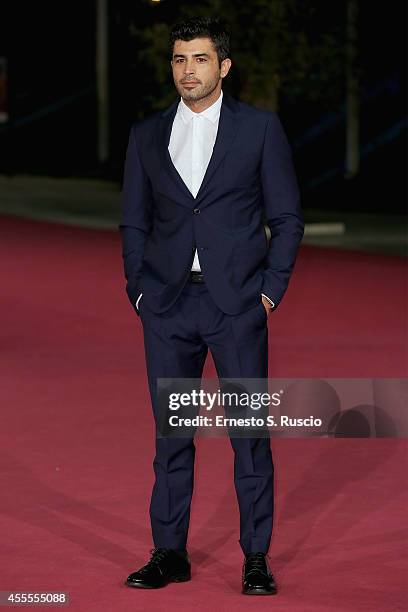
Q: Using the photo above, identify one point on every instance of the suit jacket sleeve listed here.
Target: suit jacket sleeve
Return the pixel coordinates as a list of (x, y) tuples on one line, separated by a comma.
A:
[(136, 212), (281, 210)]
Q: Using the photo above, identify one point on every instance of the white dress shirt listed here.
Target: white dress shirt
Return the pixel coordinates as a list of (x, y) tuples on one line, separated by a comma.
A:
[(191, 145)]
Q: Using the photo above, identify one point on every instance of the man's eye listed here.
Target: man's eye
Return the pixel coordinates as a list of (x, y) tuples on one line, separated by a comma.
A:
[(201, 59), (179, 60)]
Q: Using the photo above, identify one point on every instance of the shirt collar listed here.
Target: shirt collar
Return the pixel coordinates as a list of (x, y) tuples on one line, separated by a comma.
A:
[(212, 112)]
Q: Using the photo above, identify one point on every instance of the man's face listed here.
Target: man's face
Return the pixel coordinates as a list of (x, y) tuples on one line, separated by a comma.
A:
[(196, 71)]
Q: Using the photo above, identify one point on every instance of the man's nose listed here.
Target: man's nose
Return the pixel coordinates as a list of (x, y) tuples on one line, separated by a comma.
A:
[(188, 68)]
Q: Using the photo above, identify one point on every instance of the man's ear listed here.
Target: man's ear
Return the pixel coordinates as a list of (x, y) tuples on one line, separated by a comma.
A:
[(225, 66)]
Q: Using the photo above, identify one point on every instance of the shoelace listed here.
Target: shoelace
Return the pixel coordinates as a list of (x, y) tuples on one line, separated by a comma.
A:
[(255, 562), (157, 555)]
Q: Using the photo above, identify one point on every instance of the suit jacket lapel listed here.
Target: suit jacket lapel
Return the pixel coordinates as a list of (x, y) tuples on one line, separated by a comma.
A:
[(164, 126), (227, 127)]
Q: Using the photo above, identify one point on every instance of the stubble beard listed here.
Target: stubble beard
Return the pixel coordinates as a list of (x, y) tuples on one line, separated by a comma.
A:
[(198, 93)]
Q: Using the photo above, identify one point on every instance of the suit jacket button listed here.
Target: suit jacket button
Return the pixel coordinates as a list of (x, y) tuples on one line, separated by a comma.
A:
[(196, 211)]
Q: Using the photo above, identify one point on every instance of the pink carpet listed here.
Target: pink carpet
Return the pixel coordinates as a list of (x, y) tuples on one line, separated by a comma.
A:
[(77, 437)]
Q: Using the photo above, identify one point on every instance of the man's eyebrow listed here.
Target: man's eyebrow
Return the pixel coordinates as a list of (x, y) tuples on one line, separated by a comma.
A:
[(194, 55)]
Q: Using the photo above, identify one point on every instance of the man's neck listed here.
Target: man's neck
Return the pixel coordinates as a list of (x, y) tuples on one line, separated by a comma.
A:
[(198, 106)]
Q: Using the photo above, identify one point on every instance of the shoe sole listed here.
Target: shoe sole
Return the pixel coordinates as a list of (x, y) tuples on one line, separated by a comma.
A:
[(139, 585), (259, 592)]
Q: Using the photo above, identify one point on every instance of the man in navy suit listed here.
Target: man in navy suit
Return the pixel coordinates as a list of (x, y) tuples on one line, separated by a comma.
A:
[(202, 180)]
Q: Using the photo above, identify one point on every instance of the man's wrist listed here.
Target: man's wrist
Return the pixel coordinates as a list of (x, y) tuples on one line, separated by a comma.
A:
[(269, 300), (137, 301)]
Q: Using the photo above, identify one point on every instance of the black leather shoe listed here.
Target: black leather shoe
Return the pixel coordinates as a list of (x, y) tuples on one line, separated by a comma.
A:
[(166, 565), (257, 578)]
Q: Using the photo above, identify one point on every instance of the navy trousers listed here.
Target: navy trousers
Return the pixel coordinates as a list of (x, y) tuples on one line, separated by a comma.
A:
[(176, 345)]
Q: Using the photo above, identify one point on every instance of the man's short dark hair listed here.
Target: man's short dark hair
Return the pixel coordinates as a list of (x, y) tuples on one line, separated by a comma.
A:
[(203, 27)]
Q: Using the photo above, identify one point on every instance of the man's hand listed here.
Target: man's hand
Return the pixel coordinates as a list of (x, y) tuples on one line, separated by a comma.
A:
[(267, 305)]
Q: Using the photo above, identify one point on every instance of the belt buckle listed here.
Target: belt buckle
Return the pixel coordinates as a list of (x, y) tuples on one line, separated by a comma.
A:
[(196, 276)]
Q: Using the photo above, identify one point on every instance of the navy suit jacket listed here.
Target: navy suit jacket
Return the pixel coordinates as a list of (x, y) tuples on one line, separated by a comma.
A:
[(249, 181)]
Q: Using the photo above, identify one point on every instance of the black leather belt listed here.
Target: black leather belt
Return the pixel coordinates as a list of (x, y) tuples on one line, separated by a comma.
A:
[(196, 277)]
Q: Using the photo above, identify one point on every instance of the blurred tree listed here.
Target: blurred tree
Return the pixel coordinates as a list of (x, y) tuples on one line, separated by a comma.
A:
[(290, 47)]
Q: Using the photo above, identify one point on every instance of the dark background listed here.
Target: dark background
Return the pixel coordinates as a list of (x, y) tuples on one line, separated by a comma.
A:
[(52, 130)]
